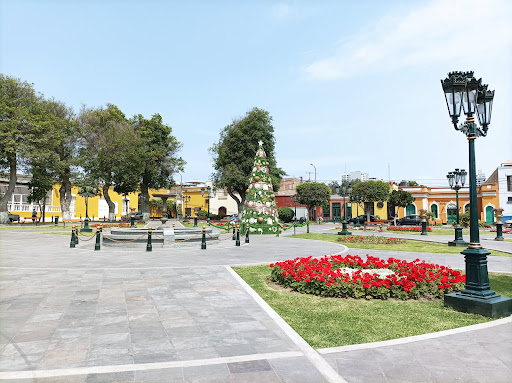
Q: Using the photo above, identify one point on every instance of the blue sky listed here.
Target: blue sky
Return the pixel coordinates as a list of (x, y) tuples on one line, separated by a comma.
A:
[(350, 85)]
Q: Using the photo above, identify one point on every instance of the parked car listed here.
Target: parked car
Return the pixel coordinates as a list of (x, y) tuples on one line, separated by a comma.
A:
[(413, 219), (137, 216), (13, 217), (363, 218)]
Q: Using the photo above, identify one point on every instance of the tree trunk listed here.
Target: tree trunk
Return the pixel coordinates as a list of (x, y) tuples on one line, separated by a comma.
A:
[(65, 197), (144, 202), (4, 200), (239, 201), (111, 205)]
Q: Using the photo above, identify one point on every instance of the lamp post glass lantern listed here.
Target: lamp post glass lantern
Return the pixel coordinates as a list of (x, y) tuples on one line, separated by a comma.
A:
[(86, 192), (208, 193), (463, 91), (457, 179), (344, 189)]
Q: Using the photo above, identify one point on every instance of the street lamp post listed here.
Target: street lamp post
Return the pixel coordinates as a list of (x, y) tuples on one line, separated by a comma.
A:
[(293, 198), (209, 193), (186, 200), (344, 230), (315, 170), (457, 179), (461, 88), (86, 192), (356, 199)]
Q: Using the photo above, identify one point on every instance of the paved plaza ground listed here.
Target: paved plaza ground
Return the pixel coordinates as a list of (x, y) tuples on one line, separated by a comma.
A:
[(182, 315)]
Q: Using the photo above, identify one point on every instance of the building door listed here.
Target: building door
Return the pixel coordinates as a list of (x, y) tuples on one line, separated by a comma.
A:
[(489, 215), (410, 209), (433, 209), (336, 211), (326, 211), (222, 211), (451, 213)]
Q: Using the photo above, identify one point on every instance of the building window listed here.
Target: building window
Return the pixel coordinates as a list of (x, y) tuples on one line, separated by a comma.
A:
[(433, 209), (509, 183), (509, 199)]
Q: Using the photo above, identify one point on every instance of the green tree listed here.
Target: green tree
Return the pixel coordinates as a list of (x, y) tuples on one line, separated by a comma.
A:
[(233, 155), (22, 135), (285, 214), (40, 184), (313, 194), (400, 198), (333, 185), (62, 160), (412, 183), (159, 156), (371, 192), (111, 151)]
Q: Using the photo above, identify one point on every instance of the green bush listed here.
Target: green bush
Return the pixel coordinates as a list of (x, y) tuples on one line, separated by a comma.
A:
[(285, 214), (464, 219), (202, 213)]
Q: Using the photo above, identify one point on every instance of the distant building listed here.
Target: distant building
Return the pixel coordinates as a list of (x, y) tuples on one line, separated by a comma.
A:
[(503, 177), (357, 175), (480, 178)]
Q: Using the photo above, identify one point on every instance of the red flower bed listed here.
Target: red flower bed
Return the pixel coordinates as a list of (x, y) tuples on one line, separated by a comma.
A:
[(326, 277), (120, 224), (407, 228)]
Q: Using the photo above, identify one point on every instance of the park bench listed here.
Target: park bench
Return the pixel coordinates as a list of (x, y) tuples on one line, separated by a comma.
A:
[(35, 220)]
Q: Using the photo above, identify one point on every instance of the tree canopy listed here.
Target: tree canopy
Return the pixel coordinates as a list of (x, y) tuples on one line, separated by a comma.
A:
[(158, 153), (233, 155), (313, 194), (371, 191), (400, 198)]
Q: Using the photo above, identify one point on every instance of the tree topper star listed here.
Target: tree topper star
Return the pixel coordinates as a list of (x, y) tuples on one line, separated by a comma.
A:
[(260, 143)]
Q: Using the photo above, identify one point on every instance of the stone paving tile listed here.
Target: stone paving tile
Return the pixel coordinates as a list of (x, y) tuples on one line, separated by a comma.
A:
[(296, 370), (169, 375), (115, 377), (207, 373)]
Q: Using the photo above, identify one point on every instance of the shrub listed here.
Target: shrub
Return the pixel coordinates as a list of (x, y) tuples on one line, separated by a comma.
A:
[(202, 213), (371, 239), (285, 214), (464, 219)]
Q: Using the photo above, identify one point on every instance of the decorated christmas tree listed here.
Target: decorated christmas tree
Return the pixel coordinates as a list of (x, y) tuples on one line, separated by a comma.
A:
[(260, 212)]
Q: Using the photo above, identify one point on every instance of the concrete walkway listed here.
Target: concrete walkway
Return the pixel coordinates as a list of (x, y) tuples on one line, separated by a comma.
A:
[(182, 315)]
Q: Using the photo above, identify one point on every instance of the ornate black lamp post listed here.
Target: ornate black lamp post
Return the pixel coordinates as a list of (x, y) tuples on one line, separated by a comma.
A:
[(457, 179), (186, 200), (293, 198), (344, 230), (462, 88), (86, 192), (209, 193)]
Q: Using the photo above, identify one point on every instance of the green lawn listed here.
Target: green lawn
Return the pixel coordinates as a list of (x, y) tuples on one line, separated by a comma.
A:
[(410, 245), (434, 232), (331, 322)]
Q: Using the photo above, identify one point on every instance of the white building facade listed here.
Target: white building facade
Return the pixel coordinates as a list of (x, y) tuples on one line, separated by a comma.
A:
[(503, 177)]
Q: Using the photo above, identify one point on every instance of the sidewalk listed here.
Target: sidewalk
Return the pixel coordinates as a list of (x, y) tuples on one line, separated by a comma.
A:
[(179, 315)]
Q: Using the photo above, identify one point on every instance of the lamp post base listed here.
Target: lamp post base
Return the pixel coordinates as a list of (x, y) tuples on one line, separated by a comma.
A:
[(458, 238), (494, 307), (499, 232), (86, 228), (344, 230)]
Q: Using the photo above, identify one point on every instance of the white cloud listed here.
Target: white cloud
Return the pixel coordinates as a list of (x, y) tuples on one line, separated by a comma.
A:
[(441, 30)]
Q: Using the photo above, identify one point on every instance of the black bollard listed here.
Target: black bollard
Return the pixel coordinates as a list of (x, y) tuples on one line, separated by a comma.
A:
[(195, 221), (72, 242), (149, 246), (237, 243), (308, 225), (234, 235), (97, 245), (76, 235), (203, 240), (247, 235)]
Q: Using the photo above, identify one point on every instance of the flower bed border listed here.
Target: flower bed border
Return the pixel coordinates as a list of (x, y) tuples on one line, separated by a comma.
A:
[(407, 228), (411, 280)]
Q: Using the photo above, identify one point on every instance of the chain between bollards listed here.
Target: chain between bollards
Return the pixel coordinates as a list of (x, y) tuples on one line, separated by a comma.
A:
[(98, 234), (203, 240), (149, 246)]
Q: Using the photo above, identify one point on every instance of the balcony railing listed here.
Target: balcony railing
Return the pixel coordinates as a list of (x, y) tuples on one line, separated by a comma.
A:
[(17, 207)]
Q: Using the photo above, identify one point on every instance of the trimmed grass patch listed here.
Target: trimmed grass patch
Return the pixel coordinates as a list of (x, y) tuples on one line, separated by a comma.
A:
[(331, 322), (410, 245)]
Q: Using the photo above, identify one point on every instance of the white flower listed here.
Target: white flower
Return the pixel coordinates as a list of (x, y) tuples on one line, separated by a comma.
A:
[(257, 186), (265, 187), (269, 221), (250, 203), (250, 186), (267, 204), (252, 229)]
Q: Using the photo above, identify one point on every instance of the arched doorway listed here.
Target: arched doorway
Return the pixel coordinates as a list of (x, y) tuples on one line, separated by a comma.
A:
[(451, 213), (410, 209), (433, 209), (222, 211), (489, 215)]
